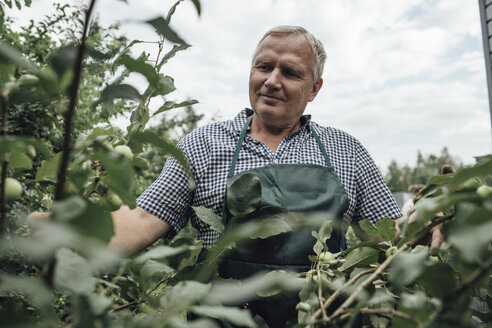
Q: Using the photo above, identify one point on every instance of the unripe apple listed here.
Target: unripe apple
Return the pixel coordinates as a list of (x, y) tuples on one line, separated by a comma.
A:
[(472, 183), (13, 189), (484, 191), (391, 250), (31, 151), (111, 201), (125, 151), (326, 256), (303, 306)]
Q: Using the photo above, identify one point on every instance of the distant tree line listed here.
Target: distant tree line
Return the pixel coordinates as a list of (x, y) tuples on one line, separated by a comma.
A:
[(400, 178)]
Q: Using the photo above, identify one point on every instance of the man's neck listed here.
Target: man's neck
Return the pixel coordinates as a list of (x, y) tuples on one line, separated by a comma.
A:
[(269, 134)]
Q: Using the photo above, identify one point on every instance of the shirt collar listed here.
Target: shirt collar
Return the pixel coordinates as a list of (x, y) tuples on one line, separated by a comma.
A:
[(240, 119)]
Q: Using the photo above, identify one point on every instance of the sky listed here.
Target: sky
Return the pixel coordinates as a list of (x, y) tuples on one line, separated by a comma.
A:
[(401, 76)]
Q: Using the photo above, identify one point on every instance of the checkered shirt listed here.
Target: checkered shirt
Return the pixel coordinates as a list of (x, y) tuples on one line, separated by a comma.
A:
[(210, 149)]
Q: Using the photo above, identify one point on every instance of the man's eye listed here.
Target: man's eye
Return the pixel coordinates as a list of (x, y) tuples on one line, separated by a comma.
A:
[(290, 73), (263, 67)]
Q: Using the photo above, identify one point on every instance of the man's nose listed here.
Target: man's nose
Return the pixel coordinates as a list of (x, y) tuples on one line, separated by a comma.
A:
[(273, 80)]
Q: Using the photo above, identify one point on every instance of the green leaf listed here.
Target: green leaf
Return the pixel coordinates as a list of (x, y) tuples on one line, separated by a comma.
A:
[(244, 194), (271, 227), (322, 235), (182, 295), (351, 237), (480, 169), (119, 176), (156, 140), (407, 267), (140, 66), (97, 132), (86, 218), (234, 315), (360, 257), (164, 86), (19, 144), (162, 27), (19, 160), (38, 294), (386, 228), (208, 216), (49, 168), (234, 292), (118, 91), (63, 59), (438, 279), (197, 6), (11, 54), (152, 270), (171, 11), (171, 105), (73, 273), (472, 241), (172, 52), (160, 252), (368, 227)]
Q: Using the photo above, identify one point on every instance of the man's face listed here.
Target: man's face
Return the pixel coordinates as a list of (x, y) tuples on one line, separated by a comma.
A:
[(281, 79)]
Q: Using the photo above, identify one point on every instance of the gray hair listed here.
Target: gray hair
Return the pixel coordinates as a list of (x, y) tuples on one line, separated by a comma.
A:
[(316, 45)]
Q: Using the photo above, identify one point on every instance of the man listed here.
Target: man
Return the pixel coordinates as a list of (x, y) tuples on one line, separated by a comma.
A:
[(285, 75)]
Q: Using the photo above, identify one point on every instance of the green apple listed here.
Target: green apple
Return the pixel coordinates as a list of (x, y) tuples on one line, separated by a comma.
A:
[(472, 183), (13, 189), (125, 151), (111, 201), (326, 256), (31, 151), (391, 250), (484, 191), (303, 306)]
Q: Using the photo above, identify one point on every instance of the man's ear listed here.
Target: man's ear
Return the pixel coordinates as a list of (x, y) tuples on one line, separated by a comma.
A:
[(315, 89)]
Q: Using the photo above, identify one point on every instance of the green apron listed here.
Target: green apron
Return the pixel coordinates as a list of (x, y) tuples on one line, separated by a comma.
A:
[(301, 188)]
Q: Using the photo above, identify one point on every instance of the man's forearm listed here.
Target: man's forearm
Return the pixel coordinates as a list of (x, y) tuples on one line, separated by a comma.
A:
[(136, 229)]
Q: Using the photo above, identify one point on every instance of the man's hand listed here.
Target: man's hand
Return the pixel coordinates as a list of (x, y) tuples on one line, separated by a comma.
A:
[(134, 230)]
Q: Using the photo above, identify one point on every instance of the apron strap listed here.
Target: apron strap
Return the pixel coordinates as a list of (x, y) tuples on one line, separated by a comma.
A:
[(321, 146), (239, 144)]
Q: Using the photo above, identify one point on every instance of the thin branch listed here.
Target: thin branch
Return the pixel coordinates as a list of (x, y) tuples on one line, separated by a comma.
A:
[(3, 132), (124, 306), (71, 106), (387, 313), (339, 291), (320, 291), (380, 269)]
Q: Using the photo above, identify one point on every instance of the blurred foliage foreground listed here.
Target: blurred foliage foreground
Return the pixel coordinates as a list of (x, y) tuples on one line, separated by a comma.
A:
[(76, 164)]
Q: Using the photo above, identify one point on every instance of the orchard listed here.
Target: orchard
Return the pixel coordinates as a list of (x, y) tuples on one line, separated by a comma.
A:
[(60, 152)]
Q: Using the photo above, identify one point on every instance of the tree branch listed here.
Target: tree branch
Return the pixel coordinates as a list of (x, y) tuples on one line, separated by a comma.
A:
[(71, 106)]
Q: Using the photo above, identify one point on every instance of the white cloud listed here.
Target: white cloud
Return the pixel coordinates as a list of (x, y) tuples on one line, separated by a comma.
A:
[(401, 76)]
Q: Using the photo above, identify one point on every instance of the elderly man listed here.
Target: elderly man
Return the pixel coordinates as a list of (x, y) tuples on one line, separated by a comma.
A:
[(302, 166), (285, 75)]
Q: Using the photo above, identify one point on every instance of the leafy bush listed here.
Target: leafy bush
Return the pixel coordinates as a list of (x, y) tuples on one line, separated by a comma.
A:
[(60, 272)]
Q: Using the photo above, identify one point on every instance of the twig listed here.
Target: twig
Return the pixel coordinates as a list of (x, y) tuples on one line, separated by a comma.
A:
[(320, 291), (3, 132), (387, 313), (71, 106), (124, 306), (339, 291), (380, 269)]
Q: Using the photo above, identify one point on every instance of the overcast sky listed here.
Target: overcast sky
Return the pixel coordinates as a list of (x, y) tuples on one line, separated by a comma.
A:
[(401, 76)]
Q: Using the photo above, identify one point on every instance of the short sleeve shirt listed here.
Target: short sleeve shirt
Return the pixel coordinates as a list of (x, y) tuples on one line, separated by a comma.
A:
[(209, 150)]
